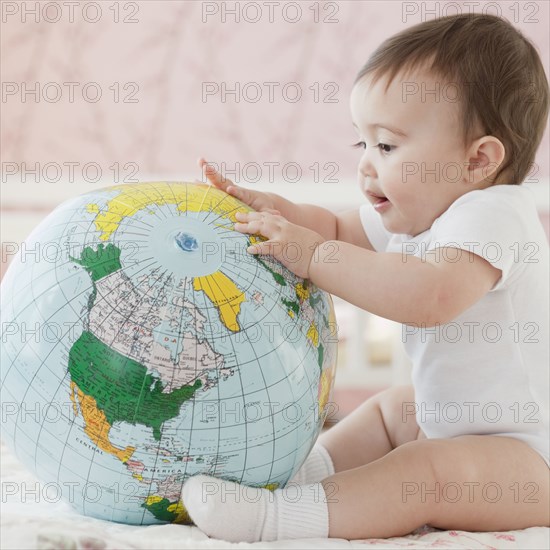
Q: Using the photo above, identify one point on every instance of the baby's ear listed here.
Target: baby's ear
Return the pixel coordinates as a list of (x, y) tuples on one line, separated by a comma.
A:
[(485, 156)]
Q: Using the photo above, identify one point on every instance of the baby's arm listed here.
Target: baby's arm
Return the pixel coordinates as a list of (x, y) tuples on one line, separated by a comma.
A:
[(343, 227), (423, 291)]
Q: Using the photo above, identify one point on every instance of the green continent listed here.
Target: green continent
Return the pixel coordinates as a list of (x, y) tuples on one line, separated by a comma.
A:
[(320, 356), (294, 306), (121, 387), (101, 262), (160, 509)]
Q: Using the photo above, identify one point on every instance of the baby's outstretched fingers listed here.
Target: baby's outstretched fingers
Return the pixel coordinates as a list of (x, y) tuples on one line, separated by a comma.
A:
[(241, 227), (257, 200), (242, 216), (241, 193), (234, 191), (252, 227), (257, 223), (213, 176), (248, 216)]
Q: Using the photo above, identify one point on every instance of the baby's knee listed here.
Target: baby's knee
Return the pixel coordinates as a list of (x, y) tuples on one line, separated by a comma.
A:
[(444, 460), (398, 413), (393, 402)]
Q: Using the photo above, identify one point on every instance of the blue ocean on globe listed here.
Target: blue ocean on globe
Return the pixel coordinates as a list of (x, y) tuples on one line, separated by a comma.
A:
[(141, 344)]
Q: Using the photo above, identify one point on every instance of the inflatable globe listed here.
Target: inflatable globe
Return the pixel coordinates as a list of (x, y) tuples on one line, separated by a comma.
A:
[(141, 344)]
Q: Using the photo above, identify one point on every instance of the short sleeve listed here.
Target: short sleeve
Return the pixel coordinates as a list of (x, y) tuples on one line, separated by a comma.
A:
[(374, 229), (491, 223)]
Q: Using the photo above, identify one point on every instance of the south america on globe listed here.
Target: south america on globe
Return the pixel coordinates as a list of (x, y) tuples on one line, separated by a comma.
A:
[(141, 345)]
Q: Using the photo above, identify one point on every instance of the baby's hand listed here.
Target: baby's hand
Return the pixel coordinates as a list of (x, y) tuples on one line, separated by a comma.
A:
[(293, 245), (257, 200)]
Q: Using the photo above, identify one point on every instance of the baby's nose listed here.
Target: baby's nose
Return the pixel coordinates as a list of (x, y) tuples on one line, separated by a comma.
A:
[(366, 166), (365, 182)]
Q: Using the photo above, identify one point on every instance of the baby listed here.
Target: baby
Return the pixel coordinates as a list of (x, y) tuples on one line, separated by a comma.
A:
[(449, 115)]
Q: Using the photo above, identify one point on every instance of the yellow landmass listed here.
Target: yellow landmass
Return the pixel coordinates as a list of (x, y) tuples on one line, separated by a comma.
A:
[(150, 500), (181, 513), (96, 425), (224, 294), (302, 292), (325, 383), (92, 208), (194, 197), (313, 334)]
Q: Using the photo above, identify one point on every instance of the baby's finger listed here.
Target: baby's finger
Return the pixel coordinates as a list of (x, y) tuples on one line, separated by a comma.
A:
[(213, 176), (241, 193), (252, 227), (249, 216), (266, 248)]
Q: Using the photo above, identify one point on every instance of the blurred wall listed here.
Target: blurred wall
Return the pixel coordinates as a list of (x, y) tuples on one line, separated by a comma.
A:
[(137, 88)]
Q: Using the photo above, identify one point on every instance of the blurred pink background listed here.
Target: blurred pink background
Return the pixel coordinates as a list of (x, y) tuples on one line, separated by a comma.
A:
[(161, 54), (152, 60)]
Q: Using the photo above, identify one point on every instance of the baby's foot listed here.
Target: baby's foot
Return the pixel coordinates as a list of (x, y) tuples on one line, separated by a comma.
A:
[(238, 513)]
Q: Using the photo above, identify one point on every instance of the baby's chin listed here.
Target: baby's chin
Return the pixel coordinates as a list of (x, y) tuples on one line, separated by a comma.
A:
[(402, 228)]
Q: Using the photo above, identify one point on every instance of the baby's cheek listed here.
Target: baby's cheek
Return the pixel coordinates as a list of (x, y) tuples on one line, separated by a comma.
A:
[(397, 191)]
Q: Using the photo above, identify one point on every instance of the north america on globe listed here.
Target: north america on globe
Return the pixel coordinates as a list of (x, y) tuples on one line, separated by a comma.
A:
[(175, 351)]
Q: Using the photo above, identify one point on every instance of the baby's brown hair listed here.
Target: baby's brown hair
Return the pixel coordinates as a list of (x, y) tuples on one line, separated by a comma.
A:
[(497, 72)]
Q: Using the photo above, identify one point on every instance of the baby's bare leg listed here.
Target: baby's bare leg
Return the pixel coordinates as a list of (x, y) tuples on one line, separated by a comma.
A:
[(372, 430), (473, 483)]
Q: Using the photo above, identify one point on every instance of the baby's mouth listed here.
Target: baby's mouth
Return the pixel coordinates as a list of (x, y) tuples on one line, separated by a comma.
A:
[(381, 204), (378, 201)]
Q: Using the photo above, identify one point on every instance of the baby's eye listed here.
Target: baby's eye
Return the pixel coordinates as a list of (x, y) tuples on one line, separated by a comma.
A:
[(385, 148), (360, 145)]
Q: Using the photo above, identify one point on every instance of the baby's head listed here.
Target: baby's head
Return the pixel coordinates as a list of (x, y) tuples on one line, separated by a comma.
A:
[(467, 99)]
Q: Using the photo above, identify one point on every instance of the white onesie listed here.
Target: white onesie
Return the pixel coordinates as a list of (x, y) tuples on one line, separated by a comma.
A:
[(487, 370)]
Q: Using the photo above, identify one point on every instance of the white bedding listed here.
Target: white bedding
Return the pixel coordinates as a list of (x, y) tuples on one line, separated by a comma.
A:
[(33, 522)]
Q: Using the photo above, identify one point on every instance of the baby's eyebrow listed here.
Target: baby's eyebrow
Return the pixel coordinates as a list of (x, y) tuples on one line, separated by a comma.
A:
[(391, 129)]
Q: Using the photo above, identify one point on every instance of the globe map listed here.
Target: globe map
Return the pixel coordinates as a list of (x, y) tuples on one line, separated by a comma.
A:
[(141, 344)]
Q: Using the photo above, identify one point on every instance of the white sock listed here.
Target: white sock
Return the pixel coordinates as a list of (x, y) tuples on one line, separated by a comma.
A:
[(318, 466), (237, 513)]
